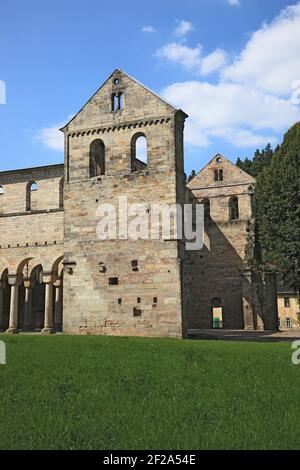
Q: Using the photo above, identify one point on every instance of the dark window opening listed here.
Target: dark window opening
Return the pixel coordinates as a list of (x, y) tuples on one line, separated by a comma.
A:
[(139, 300), (219, 175), (137, 312), (119, 301), (113, 281), (61, 192), (206, 203), (97, 158), (155, 300), (287, 303), (234, 208)]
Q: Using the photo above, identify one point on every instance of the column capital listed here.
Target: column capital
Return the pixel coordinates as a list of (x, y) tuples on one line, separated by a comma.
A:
[(48, 278), (28, 283), (14, 279)]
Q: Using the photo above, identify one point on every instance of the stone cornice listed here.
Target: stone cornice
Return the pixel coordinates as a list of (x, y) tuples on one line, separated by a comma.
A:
[(118, 127)]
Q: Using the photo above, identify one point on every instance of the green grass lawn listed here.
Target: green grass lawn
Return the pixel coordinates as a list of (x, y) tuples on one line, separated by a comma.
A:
[(64, 392)]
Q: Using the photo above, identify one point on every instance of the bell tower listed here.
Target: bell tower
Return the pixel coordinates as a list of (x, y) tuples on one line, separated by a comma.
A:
[(125, 142)]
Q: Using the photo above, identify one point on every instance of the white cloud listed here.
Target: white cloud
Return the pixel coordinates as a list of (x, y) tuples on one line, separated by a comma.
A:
[(52, 137), (191, 57), (183, 28), (252, 102), (148, 29), (213, 62), (270, 60), (234, 2), (239, 114), (178, 53)]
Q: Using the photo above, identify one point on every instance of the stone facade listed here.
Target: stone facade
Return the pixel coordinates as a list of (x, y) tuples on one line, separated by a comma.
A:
[(49, 247), (221, 278), (288, 307), (31, 244)]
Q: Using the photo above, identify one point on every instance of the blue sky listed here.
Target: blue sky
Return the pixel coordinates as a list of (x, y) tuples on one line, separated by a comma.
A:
[(231, 64)]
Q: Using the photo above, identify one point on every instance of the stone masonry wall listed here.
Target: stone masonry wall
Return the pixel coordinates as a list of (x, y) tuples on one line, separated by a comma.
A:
[(215, 272), (147, 300), (36, 234)]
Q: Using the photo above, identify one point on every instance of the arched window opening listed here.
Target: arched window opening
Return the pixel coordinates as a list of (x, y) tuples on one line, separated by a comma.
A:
[(206, 203), (31, 200), (37, 299), (61, 192), (234, 208), (97, 158), (139, 152)]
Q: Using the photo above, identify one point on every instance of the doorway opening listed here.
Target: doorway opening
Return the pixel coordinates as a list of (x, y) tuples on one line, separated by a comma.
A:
[(217, 314)]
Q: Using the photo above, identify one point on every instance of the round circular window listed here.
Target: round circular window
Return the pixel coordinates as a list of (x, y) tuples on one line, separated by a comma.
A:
[(116, 81)]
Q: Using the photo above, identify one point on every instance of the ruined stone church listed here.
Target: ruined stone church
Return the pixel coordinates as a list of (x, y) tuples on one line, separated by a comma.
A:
[(56, 275)]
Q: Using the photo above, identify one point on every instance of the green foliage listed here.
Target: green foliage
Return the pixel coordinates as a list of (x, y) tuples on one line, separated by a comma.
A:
[(260, 161), (66, 392), (277, 210), (191, 176)]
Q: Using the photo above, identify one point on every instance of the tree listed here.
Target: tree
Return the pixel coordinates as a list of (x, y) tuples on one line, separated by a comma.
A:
[(193, 173), (277, 211), (261, 160)]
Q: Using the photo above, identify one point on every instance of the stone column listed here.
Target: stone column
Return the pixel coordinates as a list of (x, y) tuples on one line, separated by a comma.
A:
[(58, 306), (48, 322), (14, 299), (28, 313), (248, 310)]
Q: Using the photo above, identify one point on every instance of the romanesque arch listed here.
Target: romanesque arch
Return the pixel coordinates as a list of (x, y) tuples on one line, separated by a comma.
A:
[(31, 296)]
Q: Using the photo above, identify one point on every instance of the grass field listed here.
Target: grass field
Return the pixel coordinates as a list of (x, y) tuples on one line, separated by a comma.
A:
[(65, 392)]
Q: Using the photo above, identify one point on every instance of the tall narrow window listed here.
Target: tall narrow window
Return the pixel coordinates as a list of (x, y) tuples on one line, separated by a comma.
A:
[(114, 102), (61, 192), (117, 101), (31, 199), (120, 101), (97, 158), (218, 175), (206, 203), (234, 211), (139, 152)]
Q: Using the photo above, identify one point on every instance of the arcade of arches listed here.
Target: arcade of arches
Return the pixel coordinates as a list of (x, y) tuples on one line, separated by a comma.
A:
[(31, 298)]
